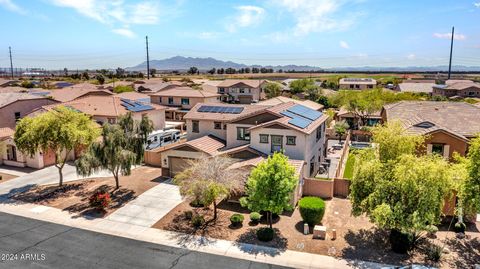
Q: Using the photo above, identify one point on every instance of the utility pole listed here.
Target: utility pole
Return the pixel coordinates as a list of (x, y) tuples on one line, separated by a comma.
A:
[(148, 59), (451, 51), (11, 63)]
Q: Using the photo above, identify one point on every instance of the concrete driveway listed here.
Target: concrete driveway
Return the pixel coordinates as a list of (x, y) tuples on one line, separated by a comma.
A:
[(150, 206), (48, 175)]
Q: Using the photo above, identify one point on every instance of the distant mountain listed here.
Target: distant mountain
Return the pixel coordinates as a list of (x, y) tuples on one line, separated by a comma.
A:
[(184, 63), (181, 63)]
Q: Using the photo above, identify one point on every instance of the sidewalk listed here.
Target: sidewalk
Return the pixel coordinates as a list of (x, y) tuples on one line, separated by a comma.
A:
[(178, 240)]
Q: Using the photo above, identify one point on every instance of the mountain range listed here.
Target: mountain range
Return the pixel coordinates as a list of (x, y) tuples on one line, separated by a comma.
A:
[(181, 63)]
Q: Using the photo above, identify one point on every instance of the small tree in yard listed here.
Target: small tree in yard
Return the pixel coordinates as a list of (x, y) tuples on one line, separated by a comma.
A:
[(120, 149), (270, 185), (60, 130), (209, 180), (341, 128), (272, 89)]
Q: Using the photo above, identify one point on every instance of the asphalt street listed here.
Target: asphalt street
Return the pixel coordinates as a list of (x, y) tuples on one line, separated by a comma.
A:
[(29, 243)]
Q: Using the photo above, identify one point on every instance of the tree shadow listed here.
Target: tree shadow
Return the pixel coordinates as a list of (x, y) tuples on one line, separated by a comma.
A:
[(8, 198), (249, 243), (38, 194)]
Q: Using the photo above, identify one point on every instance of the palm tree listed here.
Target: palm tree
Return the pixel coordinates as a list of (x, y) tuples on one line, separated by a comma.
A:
[(341, 128)]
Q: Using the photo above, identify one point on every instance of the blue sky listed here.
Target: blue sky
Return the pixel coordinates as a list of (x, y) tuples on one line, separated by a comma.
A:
[(325, 33)]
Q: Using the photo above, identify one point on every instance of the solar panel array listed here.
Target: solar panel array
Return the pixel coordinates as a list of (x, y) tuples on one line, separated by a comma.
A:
[(135, 106), (301, 116), (221, 109), (358, 79)]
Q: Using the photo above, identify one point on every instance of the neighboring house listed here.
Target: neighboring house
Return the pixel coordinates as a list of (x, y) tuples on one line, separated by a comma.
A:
[(296, 130), (136, 96), (77, 91), (457, 88), (105, 109), (448, 126), (16, 105), (156, 86), (244, 91), (282, 99), (357, 83), (416, 87), (180, 100), (354, 121)]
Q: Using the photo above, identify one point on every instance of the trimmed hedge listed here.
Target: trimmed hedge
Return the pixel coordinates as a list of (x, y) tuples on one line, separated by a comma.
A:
[(236, 219), (265, 234), (198, 221), (312, 209)]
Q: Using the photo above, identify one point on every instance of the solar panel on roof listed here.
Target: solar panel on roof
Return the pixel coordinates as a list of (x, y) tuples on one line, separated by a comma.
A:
[(300, 122), (135, 106), (220, 109), (305, 112)]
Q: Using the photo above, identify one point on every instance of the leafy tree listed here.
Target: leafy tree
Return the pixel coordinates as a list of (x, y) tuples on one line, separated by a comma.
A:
[(255, 70), (220, 71), (153, 71), (85, 75), (340, 128), (120, 72), (270, 186), (323, 100), (123, 88), (209, 180), (302, 85), (272, 89), (122, 146), (313, 92), (470, 191), (27, 84), (193, 70), (61, 130), (100, 79), (212, 71)]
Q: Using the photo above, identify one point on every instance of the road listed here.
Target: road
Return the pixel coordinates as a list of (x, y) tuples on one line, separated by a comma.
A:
[(29, 243)]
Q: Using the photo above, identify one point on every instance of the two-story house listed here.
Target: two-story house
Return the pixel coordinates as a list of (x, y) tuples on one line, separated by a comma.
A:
[(180, 100), (457, 88), (244, 91)]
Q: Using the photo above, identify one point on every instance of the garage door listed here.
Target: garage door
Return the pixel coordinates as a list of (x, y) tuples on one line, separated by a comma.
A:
[(245, 99), (177, 165)]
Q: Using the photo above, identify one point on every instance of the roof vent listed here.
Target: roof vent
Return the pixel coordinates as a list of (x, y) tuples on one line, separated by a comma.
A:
[(425, 124)]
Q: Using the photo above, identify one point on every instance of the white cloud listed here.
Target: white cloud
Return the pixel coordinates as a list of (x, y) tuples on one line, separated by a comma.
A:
[(449, 35), (115, 12), (344, 45), (411, 56), (124, 32), (11, 6), (477, 4), (317, 15), (247, 16)]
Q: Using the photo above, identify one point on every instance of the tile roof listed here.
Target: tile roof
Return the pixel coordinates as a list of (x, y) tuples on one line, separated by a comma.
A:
[(208, 144), (455, 117), (185, 92), (158, 85), (133, 95), (282, 99), (254, 83), (297, 164), (109, 106), (416, 87), (6, 132), (458, 85), (193, 114), (11, 97), (74, 92), (357, 81)]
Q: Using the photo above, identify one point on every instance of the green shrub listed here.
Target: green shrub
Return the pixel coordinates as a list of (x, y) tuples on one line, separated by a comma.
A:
[(312, 209), (265, 234), (255, 217), (401, 242), (188, 214), (460, 227), (236, 219), (123, 88), (196, 203), (434, 253), (198, 221)]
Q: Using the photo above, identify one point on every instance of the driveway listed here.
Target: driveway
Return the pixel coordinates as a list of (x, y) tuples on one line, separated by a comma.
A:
[(48, 175), (150, 206), (50, 245)]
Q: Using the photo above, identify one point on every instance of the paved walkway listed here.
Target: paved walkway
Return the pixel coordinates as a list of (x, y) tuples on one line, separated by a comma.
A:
[(48, 175), (150, 206)]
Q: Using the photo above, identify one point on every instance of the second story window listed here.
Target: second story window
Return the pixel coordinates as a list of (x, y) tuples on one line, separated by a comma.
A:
[(264, 139), (195, 126), (319, 132), (217, 125), (243, 133), (170, 100), (277, 143), (291, 140), (17, 116), (221, 90), (185, 101)]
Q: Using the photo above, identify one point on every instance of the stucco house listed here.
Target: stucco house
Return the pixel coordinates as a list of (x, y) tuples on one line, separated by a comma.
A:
[(357, 83), (243, 91), (457, 88), (77, 91), (282, 99), (448, 126)]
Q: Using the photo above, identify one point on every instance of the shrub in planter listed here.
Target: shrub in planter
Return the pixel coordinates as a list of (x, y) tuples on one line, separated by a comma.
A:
[(460, 227), (434, 253), (312, 209), (188, 214), (196, 203), (265, 234), (255, 217), (401, 242), (198, 221), (236, 219), (100, 200)]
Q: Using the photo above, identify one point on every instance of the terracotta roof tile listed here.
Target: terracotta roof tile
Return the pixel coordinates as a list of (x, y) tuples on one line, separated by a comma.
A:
[(6, 132), (185, 92)]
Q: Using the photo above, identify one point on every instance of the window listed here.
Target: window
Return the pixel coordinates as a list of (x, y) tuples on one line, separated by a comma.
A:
[(217, 125), (264, 139), (291, 140), (277, 143), (351, 86), (242, 90), (17, 116), (111, 120), (170, 100), (437, 149), (243, 133), (319, 132), (185, 101), (357, 86), (11, 153), (370, 86), (221, 90), (195, 127)]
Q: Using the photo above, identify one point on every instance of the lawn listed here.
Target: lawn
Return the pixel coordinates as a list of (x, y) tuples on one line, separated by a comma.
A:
[(348, 173), (74, 196)]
